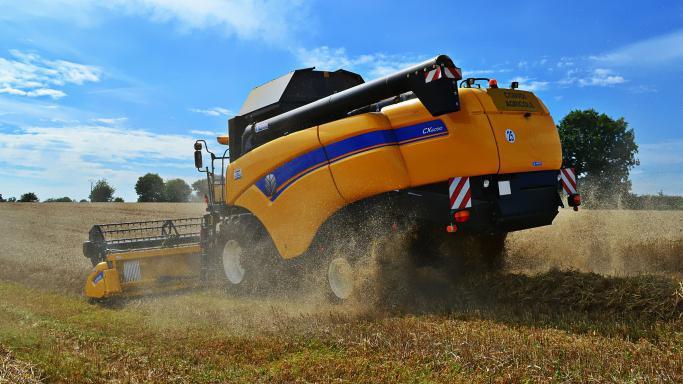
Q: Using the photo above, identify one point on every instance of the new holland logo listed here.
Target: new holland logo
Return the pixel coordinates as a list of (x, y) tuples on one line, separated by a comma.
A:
[(270, 185)]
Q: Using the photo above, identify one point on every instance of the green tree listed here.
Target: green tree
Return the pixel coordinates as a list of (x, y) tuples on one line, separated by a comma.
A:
[(602, 151), (177, 191), (200, 188), (102, 192), (150, 188), (118, 200), (59, 200), (28, 197), (1, 199)]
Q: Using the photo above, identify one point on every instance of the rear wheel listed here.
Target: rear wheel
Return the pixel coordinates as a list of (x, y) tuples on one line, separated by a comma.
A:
[(340, 278), (367, 267), (335, 266)]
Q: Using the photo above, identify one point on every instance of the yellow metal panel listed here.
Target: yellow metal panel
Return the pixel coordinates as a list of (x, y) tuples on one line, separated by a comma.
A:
[(260, 161), (469, 149), (370, 172), (153, 270), (536, 144), (108, 285), (293, 219)]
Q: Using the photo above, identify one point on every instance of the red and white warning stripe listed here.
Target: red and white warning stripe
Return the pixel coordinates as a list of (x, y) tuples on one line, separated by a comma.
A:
[(568, 178), (459, 191), (438, 72)]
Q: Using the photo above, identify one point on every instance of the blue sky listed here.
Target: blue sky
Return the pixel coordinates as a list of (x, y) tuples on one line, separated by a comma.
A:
[(89, 90)]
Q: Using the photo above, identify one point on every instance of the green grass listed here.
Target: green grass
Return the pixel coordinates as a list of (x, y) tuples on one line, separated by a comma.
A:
[(207, 337)]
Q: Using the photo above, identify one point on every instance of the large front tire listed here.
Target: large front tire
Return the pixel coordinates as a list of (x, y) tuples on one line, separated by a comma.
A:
[(231, 256), (246, 258)]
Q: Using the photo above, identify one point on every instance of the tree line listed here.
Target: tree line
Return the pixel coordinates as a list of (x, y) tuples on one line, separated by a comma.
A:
[(149, 188)]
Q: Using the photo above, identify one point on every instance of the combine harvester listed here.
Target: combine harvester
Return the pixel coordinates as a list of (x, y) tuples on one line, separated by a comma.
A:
[(321, 161)]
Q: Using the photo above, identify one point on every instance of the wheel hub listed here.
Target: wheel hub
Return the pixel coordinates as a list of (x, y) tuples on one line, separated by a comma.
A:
[(340, 278), (232, 262)]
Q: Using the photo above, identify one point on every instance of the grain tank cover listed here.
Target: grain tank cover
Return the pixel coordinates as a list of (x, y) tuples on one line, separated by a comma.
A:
[(293, 90), (286, 93)]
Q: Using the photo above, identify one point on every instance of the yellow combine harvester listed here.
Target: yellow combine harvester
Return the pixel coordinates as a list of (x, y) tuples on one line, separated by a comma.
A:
[(321, 161)]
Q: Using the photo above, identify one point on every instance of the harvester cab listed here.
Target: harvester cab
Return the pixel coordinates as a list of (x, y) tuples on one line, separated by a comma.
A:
[(313, 154)]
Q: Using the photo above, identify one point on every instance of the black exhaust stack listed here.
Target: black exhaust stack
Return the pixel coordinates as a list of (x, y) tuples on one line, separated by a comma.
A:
[(434, 82)]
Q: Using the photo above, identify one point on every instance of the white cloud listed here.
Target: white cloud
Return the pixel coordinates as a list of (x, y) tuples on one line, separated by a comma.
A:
[(529, 84), (484, 72), (656, 51), (53, 93), (272, 21), (565, 62), (370, 65), (602, 77), (86, 140), (28, 74), (75, 153), (215, 111), (204, 133), (598, 77), (111, 121)]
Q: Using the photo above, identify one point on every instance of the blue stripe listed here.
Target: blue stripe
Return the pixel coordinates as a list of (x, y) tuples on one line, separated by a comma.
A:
[(287, 171), (293, 170), (364, 140)]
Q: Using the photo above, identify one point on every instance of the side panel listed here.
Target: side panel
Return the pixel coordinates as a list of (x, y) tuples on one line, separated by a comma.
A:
[(527, 140), (288, 186), (468, 148), (253, 166), (363, 155)]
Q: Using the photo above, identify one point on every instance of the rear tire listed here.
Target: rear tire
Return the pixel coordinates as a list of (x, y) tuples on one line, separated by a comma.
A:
[(341, 278)]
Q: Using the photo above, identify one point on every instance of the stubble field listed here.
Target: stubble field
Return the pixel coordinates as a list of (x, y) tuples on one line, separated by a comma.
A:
[(597, 297)]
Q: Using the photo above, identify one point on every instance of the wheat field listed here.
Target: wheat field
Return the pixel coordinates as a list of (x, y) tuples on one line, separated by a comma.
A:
[(597, 297)]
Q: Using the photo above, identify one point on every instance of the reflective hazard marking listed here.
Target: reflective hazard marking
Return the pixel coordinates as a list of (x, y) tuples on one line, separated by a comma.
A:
[(459, 192), (438, 72), (568, 178)]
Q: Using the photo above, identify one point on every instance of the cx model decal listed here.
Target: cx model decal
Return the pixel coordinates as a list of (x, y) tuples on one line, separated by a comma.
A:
[(278, 180)]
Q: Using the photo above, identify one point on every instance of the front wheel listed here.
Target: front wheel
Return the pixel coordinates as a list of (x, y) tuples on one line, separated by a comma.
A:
[(246, 258), (232, 261)]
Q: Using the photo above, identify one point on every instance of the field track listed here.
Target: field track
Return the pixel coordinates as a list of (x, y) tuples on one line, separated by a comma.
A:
[(595, 297)]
